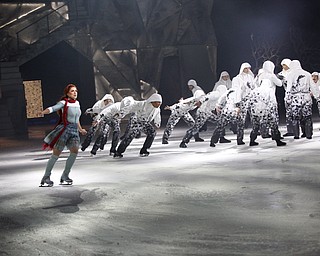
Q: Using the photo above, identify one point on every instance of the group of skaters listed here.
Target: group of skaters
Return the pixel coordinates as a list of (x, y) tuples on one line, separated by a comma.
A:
[(231, 102)]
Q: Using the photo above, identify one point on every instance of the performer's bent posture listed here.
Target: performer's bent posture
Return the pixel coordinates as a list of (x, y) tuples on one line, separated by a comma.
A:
[(144, 113)]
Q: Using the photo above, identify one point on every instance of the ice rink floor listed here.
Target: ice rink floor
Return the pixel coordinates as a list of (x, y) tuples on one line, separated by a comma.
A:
[(227, 200)]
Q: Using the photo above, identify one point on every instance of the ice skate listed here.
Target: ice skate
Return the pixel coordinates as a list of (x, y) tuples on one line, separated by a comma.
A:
[(117, 155), (46, 182), (197, 138), (253, 143), (112, 152), (66, 181), (144, 152), (183, 145), (224, 140), (280, 143), (165, 141)]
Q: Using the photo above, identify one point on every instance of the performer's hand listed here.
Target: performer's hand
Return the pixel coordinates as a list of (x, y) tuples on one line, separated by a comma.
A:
[(166, 107), (198, 104), (83, 131), (237, 110)]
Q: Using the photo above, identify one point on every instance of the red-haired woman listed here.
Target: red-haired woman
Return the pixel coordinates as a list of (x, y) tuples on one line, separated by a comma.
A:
[(66, 133)]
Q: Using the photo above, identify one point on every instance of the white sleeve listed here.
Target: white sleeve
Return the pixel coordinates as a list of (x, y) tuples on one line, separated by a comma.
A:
[(157, 119)]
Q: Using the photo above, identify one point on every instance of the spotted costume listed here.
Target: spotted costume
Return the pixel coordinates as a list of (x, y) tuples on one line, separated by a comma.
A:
[(110, 118), (267, 72), (263, 110), (181, 110), (206, 112), (298, 95), (144, 113), (94, 129), (242, 84), (228, 114)]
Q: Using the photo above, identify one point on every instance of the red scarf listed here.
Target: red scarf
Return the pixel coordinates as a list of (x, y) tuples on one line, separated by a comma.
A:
[(62, 120)]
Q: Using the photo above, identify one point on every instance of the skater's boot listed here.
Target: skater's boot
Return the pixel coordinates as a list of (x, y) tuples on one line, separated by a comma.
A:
[(186, 139), (224, 140), (112, 152), (289, 129), (165, 136), (240, 142), (183, 145), (280, 143), (46, 182), (65, 180), (46, 177), (214, 139), (197, 138), (144, 152), (120, 150), (117, 155), (240, 133), (253, 143), (164, 140)]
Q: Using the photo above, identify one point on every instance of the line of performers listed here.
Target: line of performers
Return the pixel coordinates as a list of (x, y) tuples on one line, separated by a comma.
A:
[(231, 102)]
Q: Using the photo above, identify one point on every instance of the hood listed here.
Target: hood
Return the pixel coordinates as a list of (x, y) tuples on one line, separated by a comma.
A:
[(243, 66), (108, 97), (192, 82), (154, 97), (268, 66), (224, 73), (286, 62), (295, 65)]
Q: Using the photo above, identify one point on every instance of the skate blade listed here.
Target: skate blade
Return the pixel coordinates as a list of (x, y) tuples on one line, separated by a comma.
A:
[(144, 155), (65, 183), (45, 185)]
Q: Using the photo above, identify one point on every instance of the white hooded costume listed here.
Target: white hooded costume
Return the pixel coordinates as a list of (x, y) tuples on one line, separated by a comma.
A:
[(264, 111), (143, 113), (100, 105), (243, 83), (221, 81), (298, 95)]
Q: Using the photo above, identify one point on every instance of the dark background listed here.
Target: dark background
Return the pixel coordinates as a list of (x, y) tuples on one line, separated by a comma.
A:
[(236, 20)]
